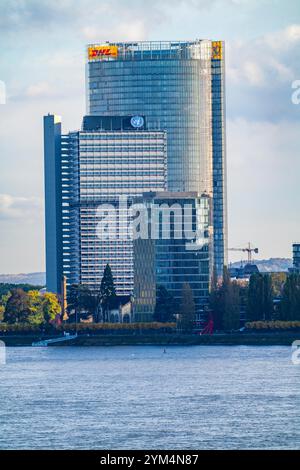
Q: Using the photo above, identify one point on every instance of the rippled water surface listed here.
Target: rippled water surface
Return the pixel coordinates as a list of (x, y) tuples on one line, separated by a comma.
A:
[(142, 398)]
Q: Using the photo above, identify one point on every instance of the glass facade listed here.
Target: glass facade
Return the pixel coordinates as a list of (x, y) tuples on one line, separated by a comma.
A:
[(179, 86)]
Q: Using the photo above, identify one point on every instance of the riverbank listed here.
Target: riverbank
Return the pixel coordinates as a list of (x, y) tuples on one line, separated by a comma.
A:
[(236, 339)]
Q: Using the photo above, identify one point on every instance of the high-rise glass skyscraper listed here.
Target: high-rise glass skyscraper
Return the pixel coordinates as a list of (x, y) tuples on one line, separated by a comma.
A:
[(179, 86), (180, 253)]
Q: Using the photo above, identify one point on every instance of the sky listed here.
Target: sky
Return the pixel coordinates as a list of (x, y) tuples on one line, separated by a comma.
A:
[(42, 67)]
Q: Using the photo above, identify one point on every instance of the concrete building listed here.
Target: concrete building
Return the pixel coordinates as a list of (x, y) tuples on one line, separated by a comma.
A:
[(296, 257), (91, 177)]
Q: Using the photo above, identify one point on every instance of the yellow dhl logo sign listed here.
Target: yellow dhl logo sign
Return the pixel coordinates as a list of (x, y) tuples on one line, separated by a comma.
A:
[(98, 52), (216, 52)]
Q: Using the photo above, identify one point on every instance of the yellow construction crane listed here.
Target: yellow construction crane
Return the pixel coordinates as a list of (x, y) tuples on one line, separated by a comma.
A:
[(248, 250)]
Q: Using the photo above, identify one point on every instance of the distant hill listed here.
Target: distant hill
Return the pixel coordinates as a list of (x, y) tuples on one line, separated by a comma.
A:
[(270, 265), (39, 279), (35, 279)]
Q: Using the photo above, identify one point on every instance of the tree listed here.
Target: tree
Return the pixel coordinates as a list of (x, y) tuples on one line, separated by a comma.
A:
[(5, 288), (268, 295), (290, 306), (17, 309), (225, 303), (232, 313), (3, 302), (254, 304), (36, 314), (51, 307), (216, 301), (165, 306), (278, 281), (260, 297), (187, 309), (107, 295), (81, 300)]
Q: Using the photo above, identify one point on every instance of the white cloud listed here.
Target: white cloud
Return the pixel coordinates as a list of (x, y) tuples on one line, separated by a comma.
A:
[(20, 208), (268, 61), (128, 31), (38, 89), (263, 182), (284, 39)]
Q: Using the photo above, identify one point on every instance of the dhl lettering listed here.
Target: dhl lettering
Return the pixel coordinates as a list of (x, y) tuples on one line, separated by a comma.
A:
[(99, 51)]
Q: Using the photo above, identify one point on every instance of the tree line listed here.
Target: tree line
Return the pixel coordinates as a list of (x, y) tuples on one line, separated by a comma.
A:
[(267, 297), (227, 301)]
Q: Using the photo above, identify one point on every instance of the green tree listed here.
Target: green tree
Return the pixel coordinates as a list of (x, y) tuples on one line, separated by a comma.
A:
[(254, 304), (107, 295), (225, 302), (51, 307), (17, 309), (260, 298), (165, 307), (3, 301), (268, 296), (231, 302), (187, 309), (5, 288), (216, 301)]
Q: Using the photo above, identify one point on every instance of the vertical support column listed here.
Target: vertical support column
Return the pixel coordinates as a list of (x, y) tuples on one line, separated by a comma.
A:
[(53, 202)]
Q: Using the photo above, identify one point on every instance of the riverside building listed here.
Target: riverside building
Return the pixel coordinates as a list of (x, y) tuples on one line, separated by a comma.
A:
[(177, 250), (180, 87), (91, 174)]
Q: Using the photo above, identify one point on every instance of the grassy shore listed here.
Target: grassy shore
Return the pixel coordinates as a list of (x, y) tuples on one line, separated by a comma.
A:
[(247, 339)]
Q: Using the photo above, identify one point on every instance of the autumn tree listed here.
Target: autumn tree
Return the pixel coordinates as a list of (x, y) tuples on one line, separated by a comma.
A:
[(17, 309)]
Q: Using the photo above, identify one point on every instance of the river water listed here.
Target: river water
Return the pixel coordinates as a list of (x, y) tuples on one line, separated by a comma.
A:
[(140, 397)]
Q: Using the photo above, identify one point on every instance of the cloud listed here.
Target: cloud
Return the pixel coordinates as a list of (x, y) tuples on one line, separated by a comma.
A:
[(19, 208), (268, 61), (133, 31), (38, 89), (19, 16), (284, 39)]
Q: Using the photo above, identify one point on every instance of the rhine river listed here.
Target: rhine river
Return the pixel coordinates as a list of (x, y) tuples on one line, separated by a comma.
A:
[(200, 397)]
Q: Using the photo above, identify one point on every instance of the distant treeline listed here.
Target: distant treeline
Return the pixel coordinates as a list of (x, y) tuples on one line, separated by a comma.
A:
[(6, 288)]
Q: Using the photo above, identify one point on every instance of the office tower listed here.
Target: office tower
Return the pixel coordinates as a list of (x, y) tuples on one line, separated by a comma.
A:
[(86, 173), (296, 258), (177, 250), (179, 86)]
